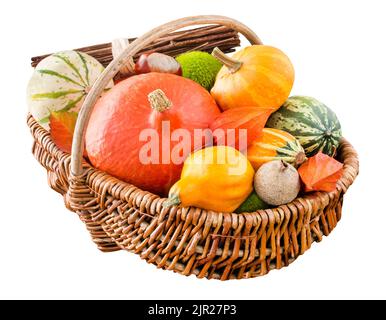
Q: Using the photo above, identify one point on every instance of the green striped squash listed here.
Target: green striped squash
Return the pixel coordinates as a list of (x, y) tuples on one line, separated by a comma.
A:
[(311, 122), (60, 82)]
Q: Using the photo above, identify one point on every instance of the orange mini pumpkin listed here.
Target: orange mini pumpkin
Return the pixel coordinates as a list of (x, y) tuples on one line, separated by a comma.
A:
[(256, 76)]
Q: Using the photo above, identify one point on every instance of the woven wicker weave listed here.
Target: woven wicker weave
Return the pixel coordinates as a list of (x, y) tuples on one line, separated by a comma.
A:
[(186, 240)]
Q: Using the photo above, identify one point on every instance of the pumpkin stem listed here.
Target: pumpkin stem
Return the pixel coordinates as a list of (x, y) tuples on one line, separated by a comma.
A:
[(159, 101), (232, 64), (284, 165), (171, 201), (300, 158), (87, 89)]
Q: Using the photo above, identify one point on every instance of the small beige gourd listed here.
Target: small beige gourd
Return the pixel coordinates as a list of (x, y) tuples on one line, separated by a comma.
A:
[(277, 182)]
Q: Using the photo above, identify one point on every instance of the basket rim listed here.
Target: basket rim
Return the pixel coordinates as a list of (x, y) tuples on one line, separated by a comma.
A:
[(315, 201)]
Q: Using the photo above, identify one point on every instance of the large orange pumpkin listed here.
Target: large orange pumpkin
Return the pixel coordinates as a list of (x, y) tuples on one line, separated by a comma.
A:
[(256, 76), (113, 141)]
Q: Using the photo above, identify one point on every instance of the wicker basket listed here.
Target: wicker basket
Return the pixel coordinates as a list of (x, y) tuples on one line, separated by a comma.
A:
[(186, 240)]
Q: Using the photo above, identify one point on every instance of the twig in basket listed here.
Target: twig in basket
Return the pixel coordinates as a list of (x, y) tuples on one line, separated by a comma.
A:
[(202, 38)]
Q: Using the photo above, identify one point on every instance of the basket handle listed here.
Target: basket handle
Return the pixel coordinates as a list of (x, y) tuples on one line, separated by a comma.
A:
[(113, 68)]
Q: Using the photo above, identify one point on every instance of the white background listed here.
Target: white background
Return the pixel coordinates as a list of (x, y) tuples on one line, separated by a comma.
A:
[(339, 53)]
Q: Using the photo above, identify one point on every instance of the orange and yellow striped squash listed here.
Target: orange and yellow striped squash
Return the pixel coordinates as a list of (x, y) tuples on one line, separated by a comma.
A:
[(275, 144), (256, 76)]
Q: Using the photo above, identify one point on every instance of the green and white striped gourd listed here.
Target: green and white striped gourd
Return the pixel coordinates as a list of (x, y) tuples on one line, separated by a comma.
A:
[(60, 82), (316, 126)]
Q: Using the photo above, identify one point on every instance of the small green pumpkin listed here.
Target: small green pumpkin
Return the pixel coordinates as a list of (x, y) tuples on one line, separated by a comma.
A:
[(251, 204)]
